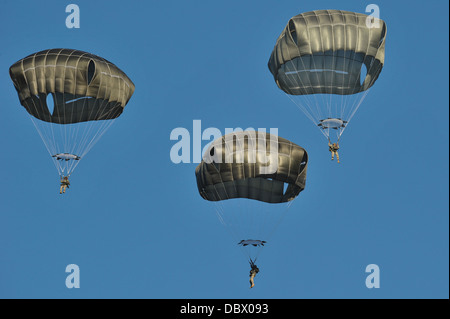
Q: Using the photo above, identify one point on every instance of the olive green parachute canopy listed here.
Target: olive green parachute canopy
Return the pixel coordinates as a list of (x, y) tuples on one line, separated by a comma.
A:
[(84, 87), (72, 97), (253, 165), (323, 51)]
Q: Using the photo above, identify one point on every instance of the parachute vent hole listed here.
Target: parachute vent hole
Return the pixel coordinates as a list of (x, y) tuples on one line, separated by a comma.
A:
[(363, 73), (50, 103), (293, 32), (285, 187), (90, 72)]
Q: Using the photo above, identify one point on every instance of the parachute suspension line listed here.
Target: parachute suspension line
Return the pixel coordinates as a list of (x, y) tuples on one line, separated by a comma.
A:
[(354, 108), (43, 129), (104, 126), (220, 212), (47, 146), (243, 220), (87, 133), (302, 108), (283, 215), (50, 148)]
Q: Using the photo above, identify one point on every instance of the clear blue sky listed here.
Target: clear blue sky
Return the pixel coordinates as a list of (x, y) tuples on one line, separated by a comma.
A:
[(133, 220)]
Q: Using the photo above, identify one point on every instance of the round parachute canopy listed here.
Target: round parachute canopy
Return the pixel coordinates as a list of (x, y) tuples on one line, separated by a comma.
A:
[(85, 87), (329, 52), (252, 178), (73, 97), (252, 165)]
